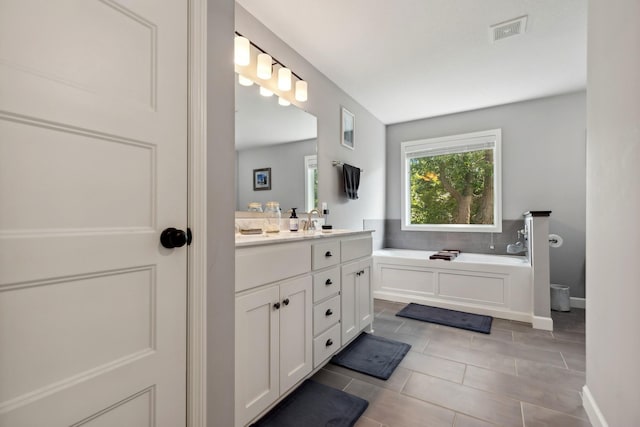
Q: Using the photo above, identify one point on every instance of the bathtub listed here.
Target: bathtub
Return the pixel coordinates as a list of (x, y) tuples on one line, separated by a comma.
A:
[(494, 285)]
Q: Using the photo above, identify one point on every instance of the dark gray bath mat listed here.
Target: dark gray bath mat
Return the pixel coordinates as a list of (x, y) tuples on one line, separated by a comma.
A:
[(372, 355), (443, 316), (315, 405)]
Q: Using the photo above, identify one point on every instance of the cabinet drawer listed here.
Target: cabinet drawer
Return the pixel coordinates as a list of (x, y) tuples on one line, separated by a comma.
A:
[(326, 283), (325, 254), (356, 247), (325, 345), (326, 314), (266, 264)]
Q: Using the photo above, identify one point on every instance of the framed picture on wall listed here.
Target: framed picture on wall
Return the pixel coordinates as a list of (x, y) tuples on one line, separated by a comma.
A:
[(262, 179), (347, 128)]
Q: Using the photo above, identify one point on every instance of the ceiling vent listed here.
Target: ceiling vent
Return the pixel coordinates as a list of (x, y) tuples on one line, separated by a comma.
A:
[(510, 28)]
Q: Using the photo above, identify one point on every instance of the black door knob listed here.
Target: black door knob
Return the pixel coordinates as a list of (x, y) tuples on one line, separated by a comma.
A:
[(173, 238)]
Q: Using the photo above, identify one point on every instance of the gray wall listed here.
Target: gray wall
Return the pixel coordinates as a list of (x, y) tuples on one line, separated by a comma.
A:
[(220, 214), (543, 168), (325, 100), (613, 203), (287, 174)]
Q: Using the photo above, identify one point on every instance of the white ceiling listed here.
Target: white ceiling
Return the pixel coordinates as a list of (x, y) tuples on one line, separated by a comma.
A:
[(409, 59)]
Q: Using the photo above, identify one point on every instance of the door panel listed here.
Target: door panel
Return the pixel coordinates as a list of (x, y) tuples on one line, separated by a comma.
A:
[(296, 339), (55, 303), (257, 353), (102, 200), (365, 309), (348, 318), (93, 109)]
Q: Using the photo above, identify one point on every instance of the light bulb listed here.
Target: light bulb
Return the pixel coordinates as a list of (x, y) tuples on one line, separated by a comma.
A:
[(244, 81), (301, 91), (265, 91), (264, 66), (284, 79), (241, 53), (283, 102)]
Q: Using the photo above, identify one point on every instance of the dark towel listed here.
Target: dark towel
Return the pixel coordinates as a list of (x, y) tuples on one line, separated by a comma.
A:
[(351, 176)]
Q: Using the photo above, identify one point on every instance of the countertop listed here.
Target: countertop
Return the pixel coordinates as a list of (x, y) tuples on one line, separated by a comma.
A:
[(285, 236)]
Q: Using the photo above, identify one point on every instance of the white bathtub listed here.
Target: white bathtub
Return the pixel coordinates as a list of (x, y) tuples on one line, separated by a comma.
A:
[(495, 285)]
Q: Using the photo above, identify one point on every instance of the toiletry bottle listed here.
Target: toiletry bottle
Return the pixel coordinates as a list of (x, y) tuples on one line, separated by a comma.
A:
[(293, 220)]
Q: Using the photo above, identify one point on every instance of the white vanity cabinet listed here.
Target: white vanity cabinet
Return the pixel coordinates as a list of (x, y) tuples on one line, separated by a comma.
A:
[(290, 301), (273, 344), (357, 305), (357, 299)]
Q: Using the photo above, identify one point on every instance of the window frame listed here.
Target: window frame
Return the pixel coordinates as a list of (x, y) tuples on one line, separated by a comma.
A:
[(310, 164), (411, 149)]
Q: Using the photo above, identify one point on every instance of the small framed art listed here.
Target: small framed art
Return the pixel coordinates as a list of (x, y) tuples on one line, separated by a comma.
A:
[(348, 128), (262, 179)]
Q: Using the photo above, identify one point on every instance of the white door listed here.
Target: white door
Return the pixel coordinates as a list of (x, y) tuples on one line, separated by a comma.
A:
[(349, 296), (257, 352), (93, 109), (365, 302), (296, 331)]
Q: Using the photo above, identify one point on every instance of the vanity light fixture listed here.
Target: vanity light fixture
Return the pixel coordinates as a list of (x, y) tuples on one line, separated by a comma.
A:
[(284, 79), (301, 91), (265, 66), (283, 102), (264, 70), (241, 51), (244, 81), (265, 92)]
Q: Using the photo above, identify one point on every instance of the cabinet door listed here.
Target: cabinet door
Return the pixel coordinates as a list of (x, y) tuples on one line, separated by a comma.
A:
[(363, 287), (349, 315), (257, 348), (296, 329)]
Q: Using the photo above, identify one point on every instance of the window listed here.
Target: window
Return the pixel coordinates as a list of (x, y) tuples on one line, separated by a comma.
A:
[(310, 182), (452, 183)]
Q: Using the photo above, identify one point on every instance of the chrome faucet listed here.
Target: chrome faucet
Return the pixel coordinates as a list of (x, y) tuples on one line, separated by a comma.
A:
[(309, 224)]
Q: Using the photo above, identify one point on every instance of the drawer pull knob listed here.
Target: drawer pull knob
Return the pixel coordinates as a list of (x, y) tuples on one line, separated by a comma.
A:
[(329, 343), (328, 312), (328, 254), (328, 282), (286, 301), (276, 306)]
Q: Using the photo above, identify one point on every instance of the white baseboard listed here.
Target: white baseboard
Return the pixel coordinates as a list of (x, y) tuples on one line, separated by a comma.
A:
[(578, 302), (544, 323), (591, 407)]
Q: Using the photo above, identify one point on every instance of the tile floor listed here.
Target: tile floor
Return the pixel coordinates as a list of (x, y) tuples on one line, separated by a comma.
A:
[(515, 376)]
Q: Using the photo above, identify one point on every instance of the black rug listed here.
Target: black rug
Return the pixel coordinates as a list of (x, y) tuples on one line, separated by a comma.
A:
[(443, 316), (372, 355), (315, 405)]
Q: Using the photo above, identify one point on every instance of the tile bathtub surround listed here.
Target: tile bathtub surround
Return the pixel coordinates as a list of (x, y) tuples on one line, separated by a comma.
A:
[(478, 243), (515, 376)]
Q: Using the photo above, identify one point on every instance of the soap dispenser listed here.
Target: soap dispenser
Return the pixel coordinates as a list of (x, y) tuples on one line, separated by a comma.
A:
[(293, 220)]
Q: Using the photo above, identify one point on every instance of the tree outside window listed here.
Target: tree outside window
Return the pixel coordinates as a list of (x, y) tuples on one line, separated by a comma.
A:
[(452, 183)]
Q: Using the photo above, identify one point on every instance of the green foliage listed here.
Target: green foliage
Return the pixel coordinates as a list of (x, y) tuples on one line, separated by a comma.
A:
[(315, 188), (465, 173)]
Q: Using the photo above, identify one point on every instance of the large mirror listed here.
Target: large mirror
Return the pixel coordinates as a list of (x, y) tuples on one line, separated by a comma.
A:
[(275, 153)]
